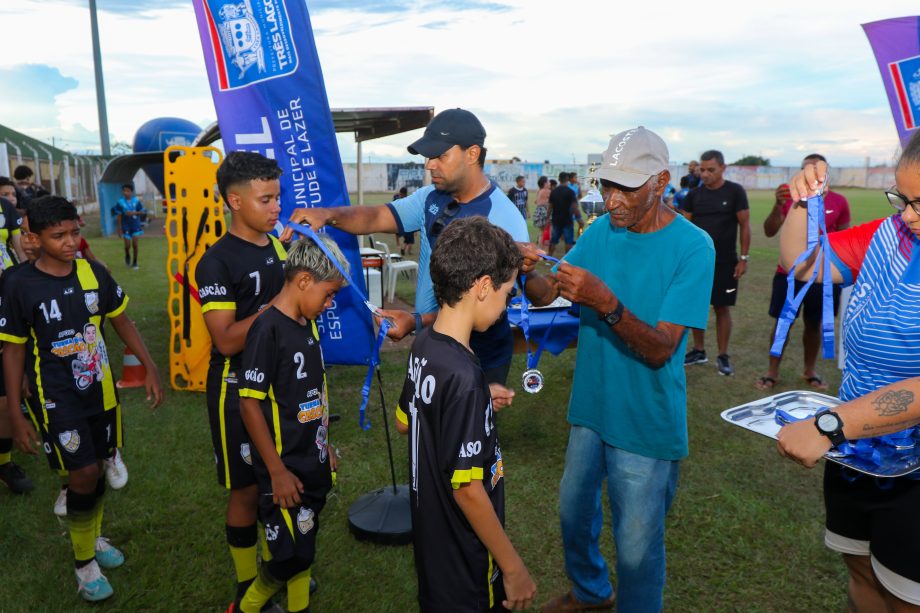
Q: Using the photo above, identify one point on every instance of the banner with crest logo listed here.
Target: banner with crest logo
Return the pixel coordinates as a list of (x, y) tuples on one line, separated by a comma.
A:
[(270, 98), (896, 44)]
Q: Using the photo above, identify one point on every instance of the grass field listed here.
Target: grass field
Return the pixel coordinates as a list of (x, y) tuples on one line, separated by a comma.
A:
[(744, 534)]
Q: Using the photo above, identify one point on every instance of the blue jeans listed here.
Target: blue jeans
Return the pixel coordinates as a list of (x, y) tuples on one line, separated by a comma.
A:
[(640, 490)]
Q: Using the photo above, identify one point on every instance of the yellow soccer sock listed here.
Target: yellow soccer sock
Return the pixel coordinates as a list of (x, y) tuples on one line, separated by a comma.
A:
[(81, 524), (100, 506), (263, 545), (6, 450), (242, 544), (264, 587), (298, 591)]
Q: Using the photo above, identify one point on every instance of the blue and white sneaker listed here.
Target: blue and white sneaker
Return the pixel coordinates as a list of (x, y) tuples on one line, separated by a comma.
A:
[(107, 554), (92, 584)]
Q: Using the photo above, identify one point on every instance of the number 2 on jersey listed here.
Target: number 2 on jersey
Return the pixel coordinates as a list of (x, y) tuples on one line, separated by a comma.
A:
[(301, 362)]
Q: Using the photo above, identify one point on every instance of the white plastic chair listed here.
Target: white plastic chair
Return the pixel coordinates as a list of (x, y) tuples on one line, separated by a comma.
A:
[(392, 267)]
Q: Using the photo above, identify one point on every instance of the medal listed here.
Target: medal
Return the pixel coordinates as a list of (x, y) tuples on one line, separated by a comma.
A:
[(532, 381)]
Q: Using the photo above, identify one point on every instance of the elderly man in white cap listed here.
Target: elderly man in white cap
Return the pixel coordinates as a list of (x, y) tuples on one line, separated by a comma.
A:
[(642, 277)]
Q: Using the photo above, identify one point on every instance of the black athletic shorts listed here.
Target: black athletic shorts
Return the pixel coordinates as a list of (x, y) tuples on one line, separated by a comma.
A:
[(724, 285), (232, 450), (73, 444), (2, 382), (865, 519), (812, 305), (290, 532)]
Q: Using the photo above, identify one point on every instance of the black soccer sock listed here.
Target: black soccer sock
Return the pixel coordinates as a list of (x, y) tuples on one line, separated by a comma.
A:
[(242, 543)]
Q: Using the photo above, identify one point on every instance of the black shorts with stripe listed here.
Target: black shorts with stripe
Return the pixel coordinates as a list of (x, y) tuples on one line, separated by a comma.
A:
[(73, 444), (290, 533), (232, 449)]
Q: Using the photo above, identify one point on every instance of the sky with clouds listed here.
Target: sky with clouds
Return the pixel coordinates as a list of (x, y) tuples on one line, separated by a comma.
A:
[(549, 80)]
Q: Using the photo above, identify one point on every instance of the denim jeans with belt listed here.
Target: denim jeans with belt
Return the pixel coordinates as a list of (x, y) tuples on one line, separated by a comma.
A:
[(640, 490)]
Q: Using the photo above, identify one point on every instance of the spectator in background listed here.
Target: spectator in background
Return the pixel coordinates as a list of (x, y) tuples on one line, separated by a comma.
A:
[(837, 217), (681, 194), (563, 209), (129, 212), (518, 195), (541, 211), (573, 183), (720, 208), (28, 190), (10, 223), (667, 197), (553, 184), (693, 175)]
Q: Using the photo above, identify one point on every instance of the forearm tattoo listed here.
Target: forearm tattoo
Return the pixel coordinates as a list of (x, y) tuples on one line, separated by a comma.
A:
[(893, 402)]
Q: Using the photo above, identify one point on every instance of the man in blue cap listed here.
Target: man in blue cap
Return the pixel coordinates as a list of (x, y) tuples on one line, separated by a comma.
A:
[(454, 147)]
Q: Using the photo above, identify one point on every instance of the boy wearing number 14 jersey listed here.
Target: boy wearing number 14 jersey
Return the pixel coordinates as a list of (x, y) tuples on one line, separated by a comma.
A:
[(238, 277), (51, 319)]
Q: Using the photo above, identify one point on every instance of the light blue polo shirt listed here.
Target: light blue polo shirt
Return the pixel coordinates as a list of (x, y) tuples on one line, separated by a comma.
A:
[(419, 211), (660, 276)]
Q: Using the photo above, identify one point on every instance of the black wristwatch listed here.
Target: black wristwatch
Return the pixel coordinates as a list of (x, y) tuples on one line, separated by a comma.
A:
[(613, 317), (830, 425)]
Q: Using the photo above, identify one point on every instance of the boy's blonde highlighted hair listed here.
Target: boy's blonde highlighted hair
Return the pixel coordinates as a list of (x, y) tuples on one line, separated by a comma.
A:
[(306, 256)]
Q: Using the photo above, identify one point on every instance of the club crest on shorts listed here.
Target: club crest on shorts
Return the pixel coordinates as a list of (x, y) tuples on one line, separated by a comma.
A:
[(305, 520), (245, 453), (92, 301), (498, 469), (70, 440)]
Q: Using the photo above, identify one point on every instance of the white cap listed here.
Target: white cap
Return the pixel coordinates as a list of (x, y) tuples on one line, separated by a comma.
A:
[(632, 157)]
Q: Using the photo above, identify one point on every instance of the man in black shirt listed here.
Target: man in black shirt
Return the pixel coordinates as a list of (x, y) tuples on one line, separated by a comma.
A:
[(693, 175), (720, 208), (563, 208)]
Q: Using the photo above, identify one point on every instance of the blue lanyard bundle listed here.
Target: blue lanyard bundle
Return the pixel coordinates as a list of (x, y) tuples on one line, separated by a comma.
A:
[(817, 243), (534, 358), (385, 323)]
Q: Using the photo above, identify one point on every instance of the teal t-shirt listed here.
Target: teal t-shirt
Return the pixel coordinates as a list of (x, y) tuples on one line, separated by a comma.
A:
[(660, 276)]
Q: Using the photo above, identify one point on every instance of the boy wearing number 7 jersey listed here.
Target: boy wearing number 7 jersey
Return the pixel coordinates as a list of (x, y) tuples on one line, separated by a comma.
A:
[(237, 277), (283, 400), (52, 315)]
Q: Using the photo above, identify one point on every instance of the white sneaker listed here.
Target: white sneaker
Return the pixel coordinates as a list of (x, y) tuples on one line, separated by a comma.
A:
[(92, 584), (60, 505), (116, 473)]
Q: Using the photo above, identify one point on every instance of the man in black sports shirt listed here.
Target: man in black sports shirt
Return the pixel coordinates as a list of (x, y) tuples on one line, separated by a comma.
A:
[(283, 399), (237, 277), (464, 560), (53, 311), (720, 208)]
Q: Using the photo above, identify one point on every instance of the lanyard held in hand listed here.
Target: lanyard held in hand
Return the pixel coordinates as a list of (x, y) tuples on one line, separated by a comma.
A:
[(385, 323)]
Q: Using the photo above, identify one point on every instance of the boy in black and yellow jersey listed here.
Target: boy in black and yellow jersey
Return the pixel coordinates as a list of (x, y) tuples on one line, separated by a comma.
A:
[(283, 399), (464, 560), (238, 277), (11, 474), (53, 310)]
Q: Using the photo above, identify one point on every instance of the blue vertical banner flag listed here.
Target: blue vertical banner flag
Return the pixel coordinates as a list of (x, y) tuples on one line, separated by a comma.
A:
[(896, 44), (270, 98)]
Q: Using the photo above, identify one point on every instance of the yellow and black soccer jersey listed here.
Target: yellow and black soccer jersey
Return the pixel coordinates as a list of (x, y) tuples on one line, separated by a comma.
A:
[(236, 275), (10, 223), (283, 369), (60, 320), (452, 441)]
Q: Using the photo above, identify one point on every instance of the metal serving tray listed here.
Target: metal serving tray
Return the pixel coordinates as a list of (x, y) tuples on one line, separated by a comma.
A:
[(760, 417)]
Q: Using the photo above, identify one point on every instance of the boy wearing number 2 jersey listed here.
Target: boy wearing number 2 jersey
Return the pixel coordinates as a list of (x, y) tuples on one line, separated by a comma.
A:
[(238, 277)]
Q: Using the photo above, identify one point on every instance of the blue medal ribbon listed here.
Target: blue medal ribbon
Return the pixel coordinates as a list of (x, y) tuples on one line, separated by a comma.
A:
[(385, 324), (532, 358), (816, 243)]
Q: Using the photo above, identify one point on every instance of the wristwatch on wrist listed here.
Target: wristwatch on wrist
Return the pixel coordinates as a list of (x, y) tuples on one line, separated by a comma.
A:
[(830, 425), (744, 258), (613, 317)]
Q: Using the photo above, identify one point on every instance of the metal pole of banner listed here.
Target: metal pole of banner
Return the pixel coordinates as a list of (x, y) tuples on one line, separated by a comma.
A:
[(359, 172), (100, 86)]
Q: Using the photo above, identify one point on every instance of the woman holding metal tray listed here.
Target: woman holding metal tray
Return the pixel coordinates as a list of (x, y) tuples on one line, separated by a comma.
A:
[(873, 522)]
